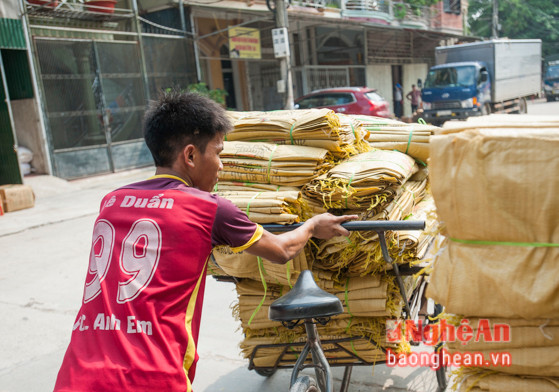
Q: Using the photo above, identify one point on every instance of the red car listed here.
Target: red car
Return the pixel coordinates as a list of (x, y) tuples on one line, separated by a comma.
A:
[(346, 100)]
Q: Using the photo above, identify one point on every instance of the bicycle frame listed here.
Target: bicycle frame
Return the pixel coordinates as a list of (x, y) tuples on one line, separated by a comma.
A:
[(319, 359)]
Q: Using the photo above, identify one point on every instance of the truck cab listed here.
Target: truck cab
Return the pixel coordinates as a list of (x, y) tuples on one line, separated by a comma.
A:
[(456, 91), (551, 79)]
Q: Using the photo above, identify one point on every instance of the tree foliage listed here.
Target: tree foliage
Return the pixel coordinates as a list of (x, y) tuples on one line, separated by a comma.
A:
[(518, 19)]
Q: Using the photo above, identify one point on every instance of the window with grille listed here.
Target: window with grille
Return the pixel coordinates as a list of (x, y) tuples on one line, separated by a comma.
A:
[(452, 6)]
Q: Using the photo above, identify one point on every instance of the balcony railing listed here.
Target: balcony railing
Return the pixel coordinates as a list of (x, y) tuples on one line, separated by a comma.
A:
[(389, 12)]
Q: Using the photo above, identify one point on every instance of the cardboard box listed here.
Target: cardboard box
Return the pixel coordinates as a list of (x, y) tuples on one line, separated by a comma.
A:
[(16, 197)]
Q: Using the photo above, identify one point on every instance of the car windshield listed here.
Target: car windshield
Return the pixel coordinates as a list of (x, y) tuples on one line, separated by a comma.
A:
[(552, 72), (451, 77)]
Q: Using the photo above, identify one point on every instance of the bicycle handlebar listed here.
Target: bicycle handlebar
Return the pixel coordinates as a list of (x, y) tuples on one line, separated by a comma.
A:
[(358, 226)]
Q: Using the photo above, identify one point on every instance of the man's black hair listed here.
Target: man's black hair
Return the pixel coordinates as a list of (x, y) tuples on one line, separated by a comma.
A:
[(177, 119)]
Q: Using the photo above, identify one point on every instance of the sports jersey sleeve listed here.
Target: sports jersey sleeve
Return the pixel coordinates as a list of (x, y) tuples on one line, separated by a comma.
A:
[(233, 228)]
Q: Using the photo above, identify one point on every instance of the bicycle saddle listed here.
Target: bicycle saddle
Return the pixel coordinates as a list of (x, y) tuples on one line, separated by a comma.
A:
[(305, 301)]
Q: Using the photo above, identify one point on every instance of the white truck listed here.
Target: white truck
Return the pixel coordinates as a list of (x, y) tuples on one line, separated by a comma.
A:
[(480, 78)]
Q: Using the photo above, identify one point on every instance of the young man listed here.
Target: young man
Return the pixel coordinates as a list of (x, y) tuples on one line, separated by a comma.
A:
[(138, 325), (414, 96)]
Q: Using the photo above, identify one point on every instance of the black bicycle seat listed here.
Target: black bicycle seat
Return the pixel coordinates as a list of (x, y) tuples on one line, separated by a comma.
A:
[(305, 301)]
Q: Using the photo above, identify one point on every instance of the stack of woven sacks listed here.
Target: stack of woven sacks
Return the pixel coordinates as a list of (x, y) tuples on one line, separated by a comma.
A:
[(497, 194), (286, 166), (386, 134)]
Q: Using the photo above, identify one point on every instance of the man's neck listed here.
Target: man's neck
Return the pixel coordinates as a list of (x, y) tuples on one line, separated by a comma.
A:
[(170, 172)]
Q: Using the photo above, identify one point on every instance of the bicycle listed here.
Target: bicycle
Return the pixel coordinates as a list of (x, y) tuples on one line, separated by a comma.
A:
[(308, 303)]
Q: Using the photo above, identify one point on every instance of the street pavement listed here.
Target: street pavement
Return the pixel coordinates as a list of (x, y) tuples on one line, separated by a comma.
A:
[(44, 261)]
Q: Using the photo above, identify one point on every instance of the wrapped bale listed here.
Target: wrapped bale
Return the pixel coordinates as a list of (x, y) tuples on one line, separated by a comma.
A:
[(507, 252)]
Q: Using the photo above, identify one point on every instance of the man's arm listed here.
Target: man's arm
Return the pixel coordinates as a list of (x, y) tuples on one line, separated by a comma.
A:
[(283, 247)]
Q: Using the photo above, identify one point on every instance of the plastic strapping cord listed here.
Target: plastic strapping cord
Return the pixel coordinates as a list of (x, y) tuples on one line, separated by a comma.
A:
[(348, 185), (251, 199), (270, 162), (409, 141), (353, 129), (506, 243), (421, 121), (291, 133), (347, 297), (260, 269), (215, 187)]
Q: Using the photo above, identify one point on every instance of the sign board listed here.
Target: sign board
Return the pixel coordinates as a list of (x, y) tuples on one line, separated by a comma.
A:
[(244, 43), (281, 42)]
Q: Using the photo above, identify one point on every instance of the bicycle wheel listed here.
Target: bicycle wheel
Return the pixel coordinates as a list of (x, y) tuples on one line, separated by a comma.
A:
[(304, 384)]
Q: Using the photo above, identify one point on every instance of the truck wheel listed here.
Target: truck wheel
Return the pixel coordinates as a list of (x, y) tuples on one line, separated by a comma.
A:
[(486, 109), (522, 106)]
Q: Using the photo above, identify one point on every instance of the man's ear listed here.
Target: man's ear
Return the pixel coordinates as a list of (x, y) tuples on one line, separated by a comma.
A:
[(189, 153)]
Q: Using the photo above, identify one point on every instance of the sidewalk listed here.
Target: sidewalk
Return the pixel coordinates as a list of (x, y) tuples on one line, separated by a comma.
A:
[(58, 200)]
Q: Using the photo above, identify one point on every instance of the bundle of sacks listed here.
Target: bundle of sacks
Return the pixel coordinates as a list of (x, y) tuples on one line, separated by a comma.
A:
[(287, 166), (496, 192)]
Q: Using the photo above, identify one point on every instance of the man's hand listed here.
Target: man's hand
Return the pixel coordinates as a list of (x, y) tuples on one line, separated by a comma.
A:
[(283, 247), (326, 226)]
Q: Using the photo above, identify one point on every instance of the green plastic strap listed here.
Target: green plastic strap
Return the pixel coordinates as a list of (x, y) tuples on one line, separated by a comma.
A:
[(270, 162), (348, 324), (347, 297), (260, 269), (215, 187), (409, 141), (421, 121), (505, 243), (291, 133), (353, 348), (353, 130), (251, 199), (225, 137)]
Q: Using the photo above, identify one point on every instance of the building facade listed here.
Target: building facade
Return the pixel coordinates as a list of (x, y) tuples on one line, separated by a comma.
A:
[(93, 64)]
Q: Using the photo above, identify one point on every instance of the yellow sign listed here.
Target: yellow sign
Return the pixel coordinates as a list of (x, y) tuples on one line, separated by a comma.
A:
[(244, 43)]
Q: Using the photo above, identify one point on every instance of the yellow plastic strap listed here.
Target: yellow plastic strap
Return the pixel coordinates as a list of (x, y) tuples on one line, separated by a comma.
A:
[(251, 199), (506, 243), (260, 269), (291, 133), (270, 162), (409, 141)]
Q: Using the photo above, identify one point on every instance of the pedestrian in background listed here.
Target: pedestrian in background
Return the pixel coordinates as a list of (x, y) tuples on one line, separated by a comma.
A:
[(414, 96), (398, 100)]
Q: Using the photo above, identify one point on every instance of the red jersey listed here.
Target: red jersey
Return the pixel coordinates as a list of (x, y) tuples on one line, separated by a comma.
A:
[(138, 325)]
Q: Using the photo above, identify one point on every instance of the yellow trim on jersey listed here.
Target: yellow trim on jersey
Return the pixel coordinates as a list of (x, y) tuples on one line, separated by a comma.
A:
[(255, 237), (191, 345), (169, 176)]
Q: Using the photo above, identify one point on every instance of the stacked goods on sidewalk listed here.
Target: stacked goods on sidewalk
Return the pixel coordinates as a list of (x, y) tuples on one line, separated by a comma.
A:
[(496, 190), (287, 166)]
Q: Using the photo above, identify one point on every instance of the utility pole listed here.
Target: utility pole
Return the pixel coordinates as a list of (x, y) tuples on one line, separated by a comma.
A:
[(495, 20), (285, 62)]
